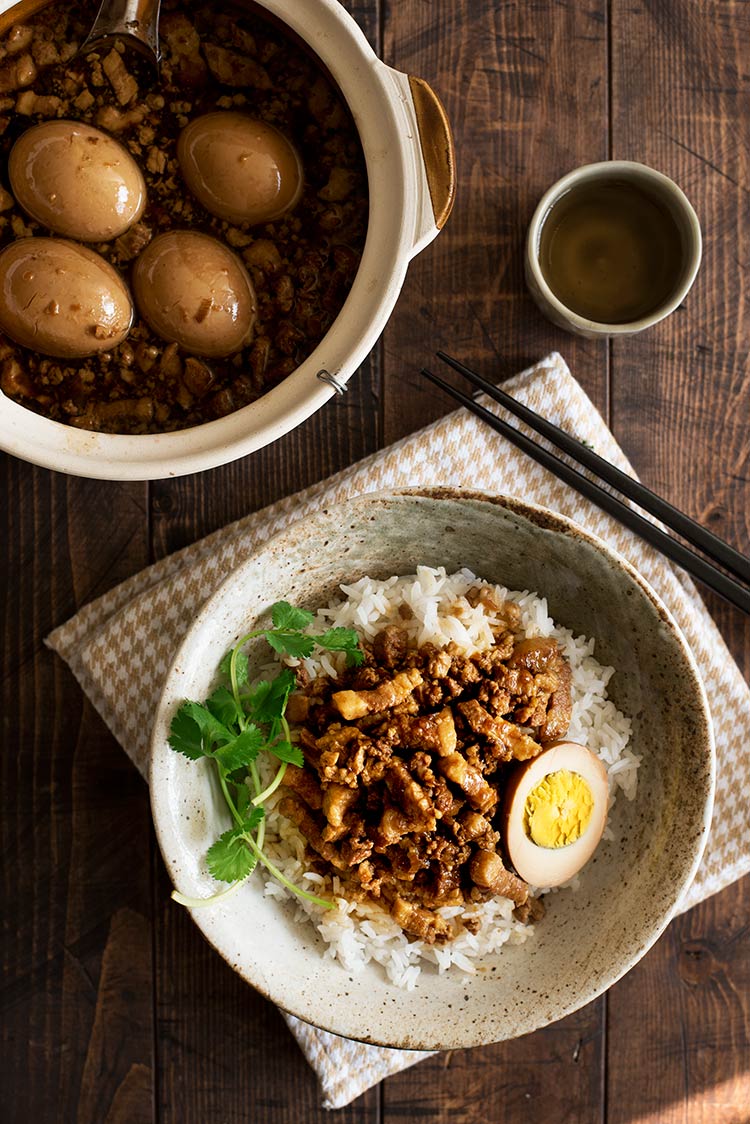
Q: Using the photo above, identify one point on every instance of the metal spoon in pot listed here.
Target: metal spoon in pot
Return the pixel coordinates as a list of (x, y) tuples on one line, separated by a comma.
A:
[(136, 22)]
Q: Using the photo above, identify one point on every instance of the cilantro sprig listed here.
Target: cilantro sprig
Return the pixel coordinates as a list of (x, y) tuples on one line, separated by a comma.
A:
[(237, 723)]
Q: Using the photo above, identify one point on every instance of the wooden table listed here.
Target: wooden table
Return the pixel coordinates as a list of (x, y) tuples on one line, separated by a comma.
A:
[(114, 1009)]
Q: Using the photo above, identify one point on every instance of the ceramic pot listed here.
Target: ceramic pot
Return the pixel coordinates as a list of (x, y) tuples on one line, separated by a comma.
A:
[(410, 166)]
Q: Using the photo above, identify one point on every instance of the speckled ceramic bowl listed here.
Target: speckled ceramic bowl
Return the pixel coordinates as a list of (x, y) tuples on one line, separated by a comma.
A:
[(629, 890)]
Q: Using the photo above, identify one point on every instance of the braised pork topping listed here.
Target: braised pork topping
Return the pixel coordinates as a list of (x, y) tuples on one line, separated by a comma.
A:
[(405, 762)]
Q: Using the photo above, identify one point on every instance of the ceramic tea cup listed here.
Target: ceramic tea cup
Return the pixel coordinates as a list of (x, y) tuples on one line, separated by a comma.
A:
[(612, 248)]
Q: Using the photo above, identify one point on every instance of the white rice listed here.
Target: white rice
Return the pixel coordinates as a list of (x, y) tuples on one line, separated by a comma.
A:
[(356, 933)]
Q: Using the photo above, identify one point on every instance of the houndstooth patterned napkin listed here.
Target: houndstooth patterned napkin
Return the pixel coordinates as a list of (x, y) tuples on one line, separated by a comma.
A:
[(121, 645)]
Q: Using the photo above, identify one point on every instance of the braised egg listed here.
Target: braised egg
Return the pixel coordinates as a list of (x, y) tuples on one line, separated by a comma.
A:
[(76, 180), (555, 809), (239, 168), (194, 291), (61, 298)]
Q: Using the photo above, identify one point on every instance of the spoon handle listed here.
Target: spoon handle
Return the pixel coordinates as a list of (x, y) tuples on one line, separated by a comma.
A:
[(129, 19)]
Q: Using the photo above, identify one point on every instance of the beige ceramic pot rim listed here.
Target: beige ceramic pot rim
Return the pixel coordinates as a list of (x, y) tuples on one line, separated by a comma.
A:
[(281, 960), (401, 222), (682, 210)]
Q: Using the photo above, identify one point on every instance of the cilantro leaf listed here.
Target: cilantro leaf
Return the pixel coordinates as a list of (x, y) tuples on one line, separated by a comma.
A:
[(242, 667), (285, 751), (283, 685), (268, 700), (185, 735), (286, 617), (342, 640), (291, 643), (257, 697), (252, 821), (229, 858), (223, 706), (241, 797), (242, 750), (338, 639), (195, 729), (219, 729), (213, 730)]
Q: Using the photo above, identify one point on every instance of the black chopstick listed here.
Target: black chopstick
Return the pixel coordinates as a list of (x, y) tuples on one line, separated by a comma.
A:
[(698, 536), (698, 567)]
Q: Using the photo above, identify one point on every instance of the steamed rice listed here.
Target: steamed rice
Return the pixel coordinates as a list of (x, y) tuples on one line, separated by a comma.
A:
[(355, 933)]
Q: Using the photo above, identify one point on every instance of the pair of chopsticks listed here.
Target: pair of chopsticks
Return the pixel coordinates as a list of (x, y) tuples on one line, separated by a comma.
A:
[(715, 548)]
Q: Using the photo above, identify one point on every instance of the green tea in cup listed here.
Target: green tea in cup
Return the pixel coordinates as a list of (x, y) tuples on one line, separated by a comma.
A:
[(612, 249)]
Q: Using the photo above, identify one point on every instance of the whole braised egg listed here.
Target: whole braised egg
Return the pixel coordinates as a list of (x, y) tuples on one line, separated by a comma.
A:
[(76, 180), (62, 299), (239, 168), (193, 290), (555, 809)]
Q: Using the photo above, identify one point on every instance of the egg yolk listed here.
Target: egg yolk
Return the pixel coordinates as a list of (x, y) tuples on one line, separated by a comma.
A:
[(558, 810)]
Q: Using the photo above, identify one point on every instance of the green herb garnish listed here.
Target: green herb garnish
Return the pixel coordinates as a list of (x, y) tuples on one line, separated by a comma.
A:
[(237, 723)]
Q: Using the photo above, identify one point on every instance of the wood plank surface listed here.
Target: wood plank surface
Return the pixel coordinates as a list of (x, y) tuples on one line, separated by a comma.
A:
[(114, 1009), (525, 89), (77, 1003), (680, 407)]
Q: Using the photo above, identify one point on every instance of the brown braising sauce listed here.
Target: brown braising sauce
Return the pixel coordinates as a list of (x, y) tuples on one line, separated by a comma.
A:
[(611, 251)]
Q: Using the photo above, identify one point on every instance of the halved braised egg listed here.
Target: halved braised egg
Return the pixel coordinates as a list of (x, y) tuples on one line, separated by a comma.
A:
[(555, 809)]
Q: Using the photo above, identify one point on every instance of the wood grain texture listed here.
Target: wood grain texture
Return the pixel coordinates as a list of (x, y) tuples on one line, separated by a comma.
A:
[(682, 394), (680, 404), (225, 1053), (346, 429), (689, 1001), (525, 87), (554, 1075), (76, 1009)]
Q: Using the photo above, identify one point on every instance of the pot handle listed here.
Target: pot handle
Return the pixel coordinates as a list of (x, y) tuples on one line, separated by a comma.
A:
[(436, 143), (431, 142)]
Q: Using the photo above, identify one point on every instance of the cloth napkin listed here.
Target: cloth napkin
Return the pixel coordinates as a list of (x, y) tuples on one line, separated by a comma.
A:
[(121, 645)]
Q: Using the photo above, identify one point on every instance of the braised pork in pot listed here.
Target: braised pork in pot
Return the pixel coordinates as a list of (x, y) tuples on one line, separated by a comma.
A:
[(220, 69)]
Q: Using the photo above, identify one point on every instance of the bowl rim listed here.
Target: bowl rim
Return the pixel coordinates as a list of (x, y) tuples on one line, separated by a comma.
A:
[(546, 519)]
